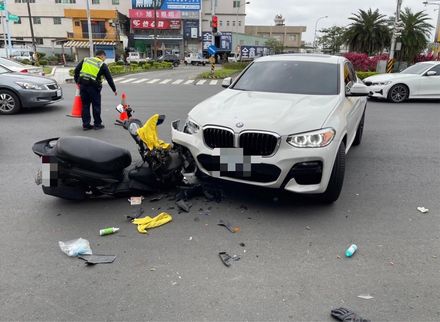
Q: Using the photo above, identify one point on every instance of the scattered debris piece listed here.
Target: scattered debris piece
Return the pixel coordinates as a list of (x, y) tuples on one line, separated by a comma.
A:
[(338, 257), (346, 315), (98, 259), (391, 263), (108, 231), (228, 226), (423, 210), (171, 208), (76, 247), (351, 250), (147, 222), (197, 219), (157, 198), (58, 215), (183, 205), (357, 194), (152, 269), (227, 259), (139, 212), (174, 283), (308, 227), (242, 245), (365, 297), (135, 201), (190, 238)]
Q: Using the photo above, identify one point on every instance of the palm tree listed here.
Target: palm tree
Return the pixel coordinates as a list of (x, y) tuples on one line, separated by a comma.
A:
[(368, 33), (415, 34)]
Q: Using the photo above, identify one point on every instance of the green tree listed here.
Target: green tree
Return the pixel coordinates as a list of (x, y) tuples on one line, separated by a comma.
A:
[(332, 39), (368, 33), (415, 34), (275, 45)]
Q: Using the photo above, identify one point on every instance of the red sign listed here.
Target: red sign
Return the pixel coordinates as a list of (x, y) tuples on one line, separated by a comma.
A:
[(149, 14), (150, 24)]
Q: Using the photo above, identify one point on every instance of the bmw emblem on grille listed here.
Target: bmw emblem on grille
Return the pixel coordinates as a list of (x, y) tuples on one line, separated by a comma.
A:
[(239, 125)]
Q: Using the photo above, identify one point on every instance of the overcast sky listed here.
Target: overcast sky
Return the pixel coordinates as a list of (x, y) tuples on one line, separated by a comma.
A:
[(306, 12)]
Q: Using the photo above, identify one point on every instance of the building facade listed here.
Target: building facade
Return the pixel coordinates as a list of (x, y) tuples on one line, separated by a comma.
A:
[(231, 15), (49, 20), (289, 36)]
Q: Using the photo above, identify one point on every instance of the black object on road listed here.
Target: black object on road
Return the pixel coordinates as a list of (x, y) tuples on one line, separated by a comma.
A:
[(183, 205), (138, 213), (346, 315), (228, 226), (98, 259), (227, 259)]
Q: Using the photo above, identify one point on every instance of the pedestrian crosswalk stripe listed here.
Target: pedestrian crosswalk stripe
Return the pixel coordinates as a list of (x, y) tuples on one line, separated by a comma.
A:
[(128, 80), (177, 82), (213, 82), (154, 81), (141, 80), (189, 81), (118, 79), (201, 82), (166, 81)]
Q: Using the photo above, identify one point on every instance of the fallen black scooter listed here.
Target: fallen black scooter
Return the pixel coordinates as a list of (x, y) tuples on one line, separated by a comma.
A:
[(78, 167)]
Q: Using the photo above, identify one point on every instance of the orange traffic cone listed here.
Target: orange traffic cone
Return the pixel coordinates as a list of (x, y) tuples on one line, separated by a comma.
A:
[(124, 116), (77, 105)]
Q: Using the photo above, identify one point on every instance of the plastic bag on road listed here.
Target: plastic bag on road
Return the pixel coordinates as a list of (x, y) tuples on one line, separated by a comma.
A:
[(76, 247)]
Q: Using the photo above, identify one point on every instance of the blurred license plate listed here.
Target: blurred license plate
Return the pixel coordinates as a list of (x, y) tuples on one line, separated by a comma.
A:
[(49, 171), (232, 160), (58, 93)]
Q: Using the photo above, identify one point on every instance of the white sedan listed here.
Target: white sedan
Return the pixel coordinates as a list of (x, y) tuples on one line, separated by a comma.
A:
[(421, 80), (21, 68), (286, 122)]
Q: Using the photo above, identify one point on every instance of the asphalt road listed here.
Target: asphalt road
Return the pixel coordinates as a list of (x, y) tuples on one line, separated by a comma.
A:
[(292, 266)]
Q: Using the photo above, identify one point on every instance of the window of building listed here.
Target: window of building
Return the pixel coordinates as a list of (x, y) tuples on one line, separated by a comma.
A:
[(236, 4), (57, 20), (227, 23), (18, 22), (115, 1), (36, 20), (24, 1), (39, 40), (95, 1), (77, 24), (292, 37), (233, 23), (18, 38), (239, 23), (65, 1), (221, 23)]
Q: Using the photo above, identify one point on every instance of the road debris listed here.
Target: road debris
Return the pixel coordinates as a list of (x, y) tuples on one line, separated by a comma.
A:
[(308, 227), (423, 210), (351, 250), (152, 269), (157, 198), (135, 201), (227, 259), (76, 247), (147, 222), (196, 219), (346, 315), (228, 226), (108, 231), (242, 244), (183, 205), (98, 259), (365, 296), (139, 212), (190, 238)]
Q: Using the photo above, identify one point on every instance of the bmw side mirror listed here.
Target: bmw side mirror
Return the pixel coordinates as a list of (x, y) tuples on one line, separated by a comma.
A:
[(358, 90), (431, 73), (227, 82)]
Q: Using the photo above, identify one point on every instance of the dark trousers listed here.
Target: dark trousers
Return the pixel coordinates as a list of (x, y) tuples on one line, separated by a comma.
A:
[(91, 95)]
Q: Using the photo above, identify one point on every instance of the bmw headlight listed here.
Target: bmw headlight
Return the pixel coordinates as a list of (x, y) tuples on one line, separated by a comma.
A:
[(315, 139), (191, 127), (381, 83), (26, 85)]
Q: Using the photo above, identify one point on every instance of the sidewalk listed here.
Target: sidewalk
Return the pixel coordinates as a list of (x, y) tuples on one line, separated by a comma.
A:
[(61, 75)]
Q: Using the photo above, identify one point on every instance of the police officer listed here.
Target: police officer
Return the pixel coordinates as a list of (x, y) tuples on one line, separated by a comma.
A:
[(88, 74)]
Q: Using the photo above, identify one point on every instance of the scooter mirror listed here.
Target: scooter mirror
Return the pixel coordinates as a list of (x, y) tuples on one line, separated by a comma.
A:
[(160, 120)]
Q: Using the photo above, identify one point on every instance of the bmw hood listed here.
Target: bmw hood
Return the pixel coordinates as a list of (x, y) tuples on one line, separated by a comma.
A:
[(387, 77), (277, 112)]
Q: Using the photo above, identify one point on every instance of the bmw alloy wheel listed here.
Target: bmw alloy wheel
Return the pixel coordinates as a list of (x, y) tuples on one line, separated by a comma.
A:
[(398, 93)]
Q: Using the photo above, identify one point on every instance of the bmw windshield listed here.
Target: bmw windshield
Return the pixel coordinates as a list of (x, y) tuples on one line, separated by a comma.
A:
[(290, 77)]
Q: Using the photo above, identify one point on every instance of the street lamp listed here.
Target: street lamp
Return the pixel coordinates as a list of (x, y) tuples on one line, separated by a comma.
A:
[(89, 27), (316, 26), (436, 3), (238, 8)]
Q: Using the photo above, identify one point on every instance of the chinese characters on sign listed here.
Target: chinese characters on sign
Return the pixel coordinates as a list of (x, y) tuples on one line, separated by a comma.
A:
[(167, 4), (149, 14), (150, 24)]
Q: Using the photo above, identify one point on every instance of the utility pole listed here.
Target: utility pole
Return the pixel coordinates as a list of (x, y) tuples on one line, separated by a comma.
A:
[(7, 29), (89, 27), (34, 46), (213, 3), (155, 30), (390, 64), (4, 36)]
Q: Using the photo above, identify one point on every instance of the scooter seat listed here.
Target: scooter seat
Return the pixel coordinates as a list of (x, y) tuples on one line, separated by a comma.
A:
[(92, 154)]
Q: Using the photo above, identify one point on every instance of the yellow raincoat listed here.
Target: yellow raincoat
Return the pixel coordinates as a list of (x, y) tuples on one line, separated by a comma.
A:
[(148, 134)]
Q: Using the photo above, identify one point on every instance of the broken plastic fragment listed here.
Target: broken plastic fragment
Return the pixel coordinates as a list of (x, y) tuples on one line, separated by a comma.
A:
[(365, 297), (228, 226), (183, 205), (135, 201), (98, 259), (227, 259), (423, 210)]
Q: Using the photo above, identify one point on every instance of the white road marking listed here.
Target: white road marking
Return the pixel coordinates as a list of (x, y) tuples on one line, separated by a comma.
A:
[(118, 79), (177, 82), (128, 80), (141, 80), (166, 81), (213, 82), (201, 82), (153, 81), (190, 81)]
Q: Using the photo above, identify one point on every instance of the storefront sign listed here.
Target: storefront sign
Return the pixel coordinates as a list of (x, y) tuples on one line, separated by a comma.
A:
[(150, 24), (167, 4), (149, 14), (190, 29)]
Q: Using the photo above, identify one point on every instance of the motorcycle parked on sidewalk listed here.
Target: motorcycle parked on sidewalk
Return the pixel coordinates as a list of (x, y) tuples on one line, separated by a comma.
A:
[(79, 167)]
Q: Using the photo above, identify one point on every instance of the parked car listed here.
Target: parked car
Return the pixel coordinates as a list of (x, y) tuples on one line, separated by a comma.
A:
[(21, 68), (136, 57), (286, 122), (171, 59), (25, 91), (421, 80)]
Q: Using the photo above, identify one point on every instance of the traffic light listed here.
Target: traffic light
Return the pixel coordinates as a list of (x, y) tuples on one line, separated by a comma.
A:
[(214, 24)]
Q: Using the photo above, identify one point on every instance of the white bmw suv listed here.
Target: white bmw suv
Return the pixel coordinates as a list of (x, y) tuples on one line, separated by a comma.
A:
[(286, 122)]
